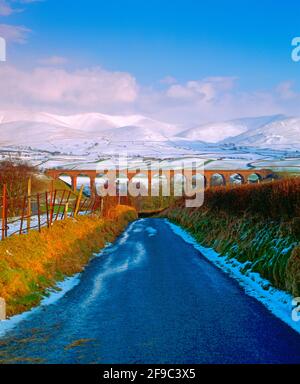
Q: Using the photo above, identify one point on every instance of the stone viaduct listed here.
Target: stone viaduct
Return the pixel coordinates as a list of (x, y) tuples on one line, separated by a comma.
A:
[(225, 177)]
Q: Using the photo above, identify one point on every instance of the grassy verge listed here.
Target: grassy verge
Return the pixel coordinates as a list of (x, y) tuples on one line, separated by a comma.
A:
[(29, 264), (242, 223)]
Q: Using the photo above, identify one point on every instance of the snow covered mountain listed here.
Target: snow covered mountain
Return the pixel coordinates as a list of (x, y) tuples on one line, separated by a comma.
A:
[(133, 134), (217, 132), (83, 133), (88, 122), (279, 134), (31, 128)]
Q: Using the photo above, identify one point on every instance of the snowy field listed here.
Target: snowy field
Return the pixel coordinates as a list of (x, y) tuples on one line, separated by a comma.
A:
[(83, 141), (164, 153), (14, 224)]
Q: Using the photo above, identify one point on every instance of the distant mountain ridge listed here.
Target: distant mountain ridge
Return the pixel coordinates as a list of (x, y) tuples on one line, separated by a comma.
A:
[(219, 131), (43, 130), (87, 122), (278, 134), (31, 128)]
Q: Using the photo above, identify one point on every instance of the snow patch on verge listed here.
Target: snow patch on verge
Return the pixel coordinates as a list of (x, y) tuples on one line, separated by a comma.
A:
[(53, 296), (280, 303), (125, 235), (61, 288)]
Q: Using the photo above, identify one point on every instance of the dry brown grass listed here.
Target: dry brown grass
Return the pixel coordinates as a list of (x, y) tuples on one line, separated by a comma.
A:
[(31, 263), (276, 200), (259, 224)]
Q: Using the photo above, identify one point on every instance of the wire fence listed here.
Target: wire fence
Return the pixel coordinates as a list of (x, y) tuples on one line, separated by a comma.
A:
[(21, 214)]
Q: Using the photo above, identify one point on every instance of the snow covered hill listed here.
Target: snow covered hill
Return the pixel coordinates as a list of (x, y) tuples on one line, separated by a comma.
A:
[(86, 133), (132, 134), (26, 133), (36, 129), (87, 122), (216, 132), (279, 134)]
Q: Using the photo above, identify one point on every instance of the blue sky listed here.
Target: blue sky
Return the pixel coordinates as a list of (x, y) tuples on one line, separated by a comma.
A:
[(246, 41)]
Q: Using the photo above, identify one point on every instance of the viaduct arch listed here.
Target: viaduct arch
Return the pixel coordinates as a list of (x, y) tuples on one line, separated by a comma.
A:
[(229, 177)]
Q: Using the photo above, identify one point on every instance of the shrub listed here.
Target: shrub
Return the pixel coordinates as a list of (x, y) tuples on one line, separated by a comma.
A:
[(255, 223)]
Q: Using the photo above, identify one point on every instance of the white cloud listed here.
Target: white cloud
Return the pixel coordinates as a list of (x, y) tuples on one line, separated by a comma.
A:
[(206, 89), (14, 33), (285, 90), (53, 61), (168, 80), (58, 89), (209, 99), (5, 8), (178, 91), (48, 87)]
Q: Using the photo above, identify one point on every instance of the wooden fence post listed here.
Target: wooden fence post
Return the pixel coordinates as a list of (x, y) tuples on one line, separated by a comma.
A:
[(47, 208), (89, 207), (51, 202), (39, 211), (66, 204), (2, 309), (78, 201), (52, 207), (23, 214), (29, 204), (101, 206), (4, 212), (66, 211), (93, 206), (60, 204), (82, 205)]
